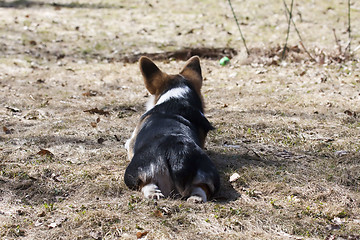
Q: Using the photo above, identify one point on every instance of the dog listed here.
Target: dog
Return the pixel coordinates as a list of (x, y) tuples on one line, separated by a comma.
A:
[(166, 147)]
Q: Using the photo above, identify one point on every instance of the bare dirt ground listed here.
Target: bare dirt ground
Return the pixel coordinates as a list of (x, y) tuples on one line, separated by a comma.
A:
[(70, 97)]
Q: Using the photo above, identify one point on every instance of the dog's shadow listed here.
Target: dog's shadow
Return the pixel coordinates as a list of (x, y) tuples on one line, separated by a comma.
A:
[(227, 164)]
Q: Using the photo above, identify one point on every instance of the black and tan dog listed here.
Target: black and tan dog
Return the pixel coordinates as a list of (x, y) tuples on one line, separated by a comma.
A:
[(165, 148)]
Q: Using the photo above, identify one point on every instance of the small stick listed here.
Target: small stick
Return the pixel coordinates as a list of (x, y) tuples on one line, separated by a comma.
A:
[(337, 42), (288, 30), (357, 48), (311, 57), (298, 33), (238, 25), (349, 28)]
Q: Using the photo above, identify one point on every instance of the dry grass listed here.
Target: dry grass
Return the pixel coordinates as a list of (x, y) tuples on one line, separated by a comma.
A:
[(289, 129)]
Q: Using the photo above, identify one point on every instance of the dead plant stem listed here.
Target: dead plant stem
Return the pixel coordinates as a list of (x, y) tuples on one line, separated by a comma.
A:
[(298, 33), (337, 42), (238, 25), (288, 30), (349, 27)]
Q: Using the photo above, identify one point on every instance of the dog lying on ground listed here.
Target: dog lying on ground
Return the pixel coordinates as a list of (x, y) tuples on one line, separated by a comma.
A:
[(166, 147)]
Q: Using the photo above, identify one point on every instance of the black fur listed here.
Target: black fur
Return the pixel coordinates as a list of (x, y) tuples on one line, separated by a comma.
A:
[(169, 139)]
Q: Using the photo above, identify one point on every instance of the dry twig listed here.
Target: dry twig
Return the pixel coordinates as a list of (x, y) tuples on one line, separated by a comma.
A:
[(298, 33), (349, 29), (337, 42), (238, 25), (288, 30)]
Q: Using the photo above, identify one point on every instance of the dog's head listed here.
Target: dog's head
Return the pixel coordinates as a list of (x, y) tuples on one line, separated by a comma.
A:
[(157, 82)]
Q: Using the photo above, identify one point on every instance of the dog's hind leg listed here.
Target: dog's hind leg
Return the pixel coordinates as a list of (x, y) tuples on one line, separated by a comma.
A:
[(203, 186), (198, 195)]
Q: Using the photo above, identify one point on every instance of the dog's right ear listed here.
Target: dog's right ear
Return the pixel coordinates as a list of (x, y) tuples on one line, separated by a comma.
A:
[(153, 76), (192, 72)]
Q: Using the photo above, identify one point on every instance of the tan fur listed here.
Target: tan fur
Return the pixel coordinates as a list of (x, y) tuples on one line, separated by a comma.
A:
[(191, 72), (155, 80)]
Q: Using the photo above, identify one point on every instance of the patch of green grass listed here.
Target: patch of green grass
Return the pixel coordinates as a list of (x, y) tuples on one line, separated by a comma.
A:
[(49, 207), (99, 47)]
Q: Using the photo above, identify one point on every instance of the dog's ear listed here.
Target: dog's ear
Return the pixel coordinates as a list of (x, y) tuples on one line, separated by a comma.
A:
[(192, 72), (153, 76)]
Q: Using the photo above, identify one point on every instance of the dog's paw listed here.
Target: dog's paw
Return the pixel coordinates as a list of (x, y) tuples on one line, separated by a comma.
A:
[(195, 199), (198, 195), (152, 191), (156, 196)]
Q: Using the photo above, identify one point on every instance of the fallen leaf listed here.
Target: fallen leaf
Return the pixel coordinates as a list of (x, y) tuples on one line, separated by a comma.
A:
[(190, 31), (35, 115), (232, 146), (57, 222), (117, 138), (295, 48), (131, 109), (93, 124), (158, 213), (322, 59), (302, 73), (90, 93), (324, 79), (260, 81), (96, 235), (53, 225), (38, 223), (57, 178), (98, 120), (20, 212), (7, 131), (95, 110), (141, 234), (13, 109), (42, 214), (331, 227), (350, 113), (341, 153), (44, 152), (261, 71), (60, 56)]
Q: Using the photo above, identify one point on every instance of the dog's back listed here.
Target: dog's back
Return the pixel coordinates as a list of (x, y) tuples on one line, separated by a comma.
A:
[(166, 149)]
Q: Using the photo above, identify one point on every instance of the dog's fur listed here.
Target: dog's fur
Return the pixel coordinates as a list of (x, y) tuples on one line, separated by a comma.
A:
[(165, 148)]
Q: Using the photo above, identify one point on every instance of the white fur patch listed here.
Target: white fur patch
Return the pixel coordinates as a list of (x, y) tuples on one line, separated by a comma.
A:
[(127, 143), (150, 103), (152, 191), (198, 195), (178, 92)]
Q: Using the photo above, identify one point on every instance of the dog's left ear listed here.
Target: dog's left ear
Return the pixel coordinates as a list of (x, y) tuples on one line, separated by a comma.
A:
[(153, 77), (192, 72)]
